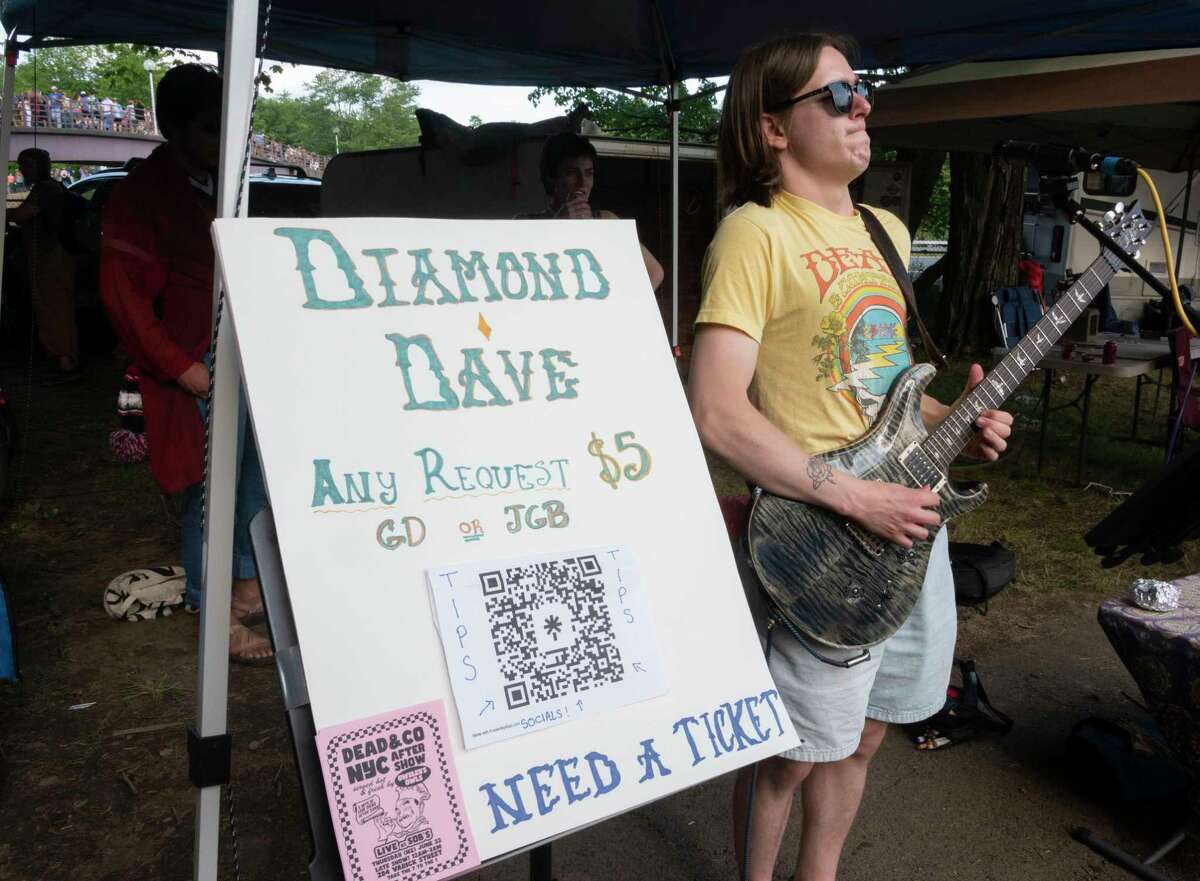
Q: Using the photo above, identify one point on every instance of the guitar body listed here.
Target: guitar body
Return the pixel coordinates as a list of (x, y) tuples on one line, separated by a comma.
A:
[(832, 580)]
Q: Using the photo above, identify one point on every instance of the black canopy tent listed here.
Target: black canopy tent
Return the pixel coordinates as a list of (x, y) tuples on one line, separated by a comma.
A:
[(618, 42), (623, 43)]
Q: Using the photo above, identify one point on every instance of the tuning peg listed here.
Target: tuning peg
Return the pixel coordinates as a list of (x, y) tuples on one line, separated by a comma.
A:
[(1137, 254), (1119, 208), (1109, 216)]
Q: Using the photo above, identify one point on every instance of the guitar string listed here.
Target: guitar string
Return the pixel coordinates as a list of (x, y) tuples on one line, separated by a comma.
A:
[(947, 440)]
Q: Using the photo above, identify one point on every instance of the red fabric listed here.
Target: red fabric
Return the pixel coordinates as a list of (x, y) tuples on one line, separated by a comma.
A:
[(156, 281), (736, 511), (1187, 389), (1034, 275)]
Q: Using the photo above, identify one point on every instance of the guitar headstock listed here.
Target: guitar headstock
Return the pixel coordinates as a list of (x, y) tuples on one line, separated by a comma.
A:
[(1127, 226)]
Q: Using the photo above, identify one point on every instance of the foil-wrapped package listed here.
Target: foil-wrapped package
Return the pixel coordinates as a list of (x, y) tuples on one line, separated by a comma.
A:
[(1154, 595)]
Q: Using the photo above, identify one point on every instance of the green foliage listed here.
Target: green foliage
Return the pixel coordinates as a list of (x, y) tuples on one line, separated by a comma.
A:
[(113, 71), (936, 224), (626, 116), (368, 112)]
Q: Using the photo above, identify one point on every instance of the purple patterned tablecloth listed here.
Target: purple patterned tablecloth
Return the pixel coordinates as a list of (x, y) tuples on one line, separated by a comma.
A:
[(1162, 652)]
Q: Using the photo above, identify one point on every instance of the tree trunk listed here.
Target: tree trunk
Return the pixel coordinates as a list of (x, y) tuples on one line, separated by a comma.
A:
[(926, 169), (985, 240)]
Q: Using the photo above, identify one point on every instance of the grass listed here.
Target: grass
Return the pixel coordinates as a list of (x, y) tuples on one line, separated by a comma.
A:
[(1044, 518), (155, 689)]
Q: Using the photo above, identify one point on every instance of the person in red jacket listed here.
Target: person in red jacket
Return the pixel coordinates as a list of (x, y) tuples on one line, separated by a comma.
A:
[(156, 281)]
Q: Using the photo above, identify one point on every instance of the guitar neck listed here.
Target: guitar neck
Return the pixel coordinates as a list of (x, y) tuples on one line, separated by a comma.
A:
[(946, 441)]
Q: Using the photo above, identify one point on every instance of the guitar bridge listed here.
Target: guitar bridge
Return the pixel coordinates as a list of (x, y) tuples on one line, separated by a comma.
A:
[(871, 543)]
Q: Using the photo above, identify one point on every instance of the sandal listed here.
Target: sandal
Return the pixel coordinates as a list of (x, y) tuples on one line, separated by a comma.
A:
[(248, 648), (252, 612), (248, 615)]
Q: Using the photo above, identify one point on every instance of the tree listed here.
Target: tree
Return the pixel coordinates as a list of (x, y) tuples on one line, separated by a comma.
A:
[(624, 115), (929, 213), (369, 112), (986, 199), (113, 71)]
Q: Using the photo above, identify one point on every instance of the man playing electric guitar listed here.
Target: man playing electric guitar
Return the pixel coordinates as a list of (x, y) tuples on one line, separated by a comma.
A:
[(801, 332)]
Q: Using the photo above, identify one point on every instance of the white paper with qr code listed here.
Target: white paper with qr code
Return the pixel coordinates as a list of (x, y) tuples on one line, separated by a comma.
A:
[(540, 640)]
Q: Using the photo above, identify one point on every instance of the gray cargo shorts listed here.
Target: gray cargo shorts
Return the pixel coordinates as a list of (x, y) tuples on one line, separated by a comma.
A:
[(904, 681)]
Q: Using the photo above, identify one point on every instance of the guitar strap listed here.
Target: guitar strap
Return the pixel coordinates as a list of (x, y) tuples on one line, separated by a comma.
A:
[(884, 243)]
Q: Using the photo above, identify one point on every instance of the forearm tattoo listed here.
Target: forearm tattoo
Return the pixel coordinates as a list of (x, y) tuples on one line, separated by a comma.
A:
[(820, 471)]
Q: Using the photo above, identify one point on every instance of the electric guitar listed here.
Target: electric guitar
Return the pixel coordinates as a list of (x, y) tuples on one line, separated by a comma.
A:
[(843, 586)]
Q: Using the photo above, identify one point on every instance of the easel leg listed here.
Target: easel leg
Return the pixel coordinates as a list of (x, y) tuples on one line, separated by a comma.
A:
[(541, 863)]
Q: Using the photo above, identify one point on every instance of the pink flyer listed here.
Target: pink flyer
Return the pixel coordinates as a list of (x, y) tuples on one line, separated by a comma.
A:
[(394, 796)]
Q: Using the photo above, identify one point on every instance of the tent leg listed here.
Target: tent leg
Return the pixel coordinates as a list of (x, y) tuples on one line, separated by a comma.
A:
[(10, 65), (1187, 203), (674, 111), (241, 30)]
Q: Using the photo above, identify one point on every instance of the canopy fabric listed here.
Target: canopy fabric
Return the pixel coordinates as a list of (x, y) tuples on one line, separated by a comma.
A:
[(614, 42), (1144, 107)]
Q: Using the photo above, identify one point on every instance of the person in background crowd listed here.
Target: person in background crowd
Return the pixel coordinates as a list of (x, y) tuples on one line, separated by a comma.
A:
[(156, 281), (106, 114), (27, 109), (51, 268), (68, 112), (567, 168), (118, 115), (130, 116), (55, 102), (140, 115), (85, 110)]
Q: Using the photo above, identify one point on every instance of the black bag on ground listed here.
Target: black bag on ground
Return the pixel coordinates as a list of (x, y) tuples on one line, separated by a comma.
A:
[(1126, 761), (980, 571)]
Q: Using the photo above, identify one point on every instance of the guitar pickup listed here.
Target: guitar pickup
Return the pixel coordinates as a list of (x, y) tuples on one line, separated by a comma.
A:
[(921, 468)]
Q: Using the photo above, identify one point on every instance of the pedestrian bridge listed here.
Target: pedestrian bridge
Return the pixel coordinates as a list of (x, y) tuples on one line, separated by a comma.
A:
[(86, 146)]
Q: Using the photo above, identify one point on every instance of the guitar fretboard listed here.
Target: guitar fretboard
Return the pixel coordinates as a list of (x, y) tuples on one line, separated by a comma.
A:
[(946, 441)]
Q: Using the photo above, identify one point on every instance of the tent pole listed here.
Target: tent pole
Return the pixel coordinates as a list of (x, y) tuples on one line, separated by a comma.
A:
[(10, 65), (1187, 203), (674, 108), (241, 30)]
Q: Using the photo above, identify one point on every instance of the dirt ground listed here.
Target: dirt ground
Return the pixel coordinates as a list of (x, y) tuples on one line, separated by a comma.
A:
[(93, 766)]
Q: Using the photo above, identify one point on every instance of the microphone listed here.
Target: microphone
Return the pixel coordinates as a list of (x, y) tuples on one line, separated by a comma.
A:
[(1063, 157)]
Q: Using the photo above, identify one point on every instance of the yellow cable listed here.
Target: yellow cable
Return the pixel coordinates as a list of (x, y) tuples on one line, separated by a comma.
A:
[(1162, 228)]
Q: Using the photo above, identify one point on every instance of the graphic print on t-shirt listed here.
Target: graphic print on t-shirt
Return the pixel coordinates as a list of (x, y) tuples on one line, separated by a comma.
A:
[(862, 347)]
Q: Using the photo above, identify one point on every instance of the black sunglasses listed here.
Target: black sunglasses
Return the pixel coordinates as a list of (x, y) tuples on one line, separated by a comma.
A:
[(841, 93)]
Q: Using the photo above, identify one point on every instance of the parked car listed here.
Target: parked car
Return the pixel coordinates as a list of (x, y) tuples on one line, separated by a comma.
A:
[(275, 191)]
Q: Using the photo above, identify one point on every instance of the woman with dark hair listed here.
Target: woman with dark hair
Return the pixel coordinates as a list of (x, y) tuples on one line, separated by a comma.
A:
[(51, 268), (568, 171)]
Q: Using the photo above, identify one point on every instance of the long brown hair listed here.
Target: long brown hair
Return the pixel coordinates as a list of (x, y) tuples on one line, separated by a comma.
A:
[(763, 76)]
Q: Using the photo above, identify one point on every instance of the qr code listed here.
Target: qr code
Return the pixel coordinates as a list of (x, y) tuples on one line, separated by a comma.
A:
[(551, 628)]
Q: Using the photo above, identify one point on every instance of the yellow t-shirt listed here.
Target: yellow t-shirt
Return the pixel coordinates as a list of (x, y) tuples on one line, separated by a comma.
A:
[(811, 287)]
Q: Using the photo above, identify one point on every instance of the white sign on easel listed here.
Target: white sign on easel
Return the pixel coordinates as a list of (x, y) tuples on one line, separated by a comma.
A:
[(493, 399)]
